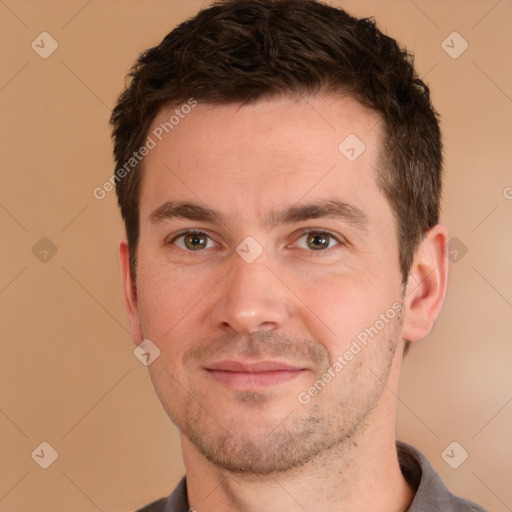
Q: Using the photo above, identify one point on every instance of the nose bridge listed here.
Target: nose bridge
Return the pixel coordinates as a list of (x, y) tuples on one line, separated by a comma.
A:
[(252, 299)]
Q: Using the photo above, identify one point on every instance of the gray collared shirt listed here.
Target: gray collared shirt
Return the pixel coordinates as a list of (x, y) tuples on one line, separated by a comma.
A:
[(431, 493)]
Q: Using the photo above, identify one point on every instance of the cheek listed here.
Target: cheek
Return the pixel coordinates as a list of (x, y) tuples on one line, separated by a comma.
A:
[(168, 298), (338, 309)]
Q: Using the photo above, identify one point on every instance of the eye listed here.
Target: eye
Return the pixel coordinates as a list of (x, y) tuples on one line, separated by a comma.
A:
[(317, 241), (193, 241)]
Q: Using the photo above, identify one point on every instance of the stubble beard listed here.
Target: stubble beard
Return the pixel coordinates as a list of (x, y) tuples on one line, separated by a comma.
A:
[(300, 439)]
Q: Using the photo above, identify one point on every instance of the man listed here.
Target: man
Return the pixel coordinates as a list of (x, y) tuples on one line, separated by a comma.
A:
[(279, 175)]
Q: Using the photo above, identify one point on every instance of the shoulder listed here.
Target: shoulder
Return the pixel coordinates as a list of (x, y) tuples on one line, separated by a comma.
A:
[(176, 502), (431, 493), (155, 506)]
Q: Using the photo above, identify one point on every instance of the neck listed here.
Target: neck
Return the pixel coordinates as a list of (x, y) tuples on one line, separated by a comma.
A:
[(362, 474)]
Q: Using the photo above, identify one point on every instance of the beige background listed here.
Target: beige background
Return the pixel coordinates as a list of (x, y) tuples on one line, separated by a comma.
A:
[(68, 373)]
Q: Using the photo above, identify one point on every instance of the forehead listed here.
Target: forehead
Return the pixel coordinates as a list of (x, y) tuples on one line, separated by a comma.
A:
[(275, 150)]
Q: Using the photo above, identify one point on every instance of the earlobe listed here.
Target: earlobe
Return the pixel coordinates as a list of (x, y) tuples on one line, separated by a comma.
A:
[(128, 290), (426, 286)]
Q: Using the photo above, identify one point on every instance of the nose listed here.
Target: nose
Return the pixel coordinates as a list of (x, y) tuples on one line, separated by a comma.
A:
[(250, 299)]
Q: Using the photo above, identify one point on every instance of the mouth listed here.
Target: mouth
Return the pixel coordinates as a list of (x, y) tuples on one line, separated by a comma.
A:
[(242, 375)]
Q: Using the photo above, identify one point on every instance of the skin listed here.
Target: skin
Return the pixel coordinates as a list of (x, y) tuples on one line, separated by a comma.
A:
[(249, 444)]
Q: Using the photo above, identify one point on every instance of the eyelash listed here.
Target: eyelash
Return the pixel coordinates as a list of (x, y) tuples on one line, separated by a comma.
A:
[(340, 240)]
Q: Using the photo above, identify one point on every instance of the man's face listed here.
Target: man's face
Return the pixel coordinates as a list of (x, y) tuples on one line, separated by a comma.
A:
[(253, 304)]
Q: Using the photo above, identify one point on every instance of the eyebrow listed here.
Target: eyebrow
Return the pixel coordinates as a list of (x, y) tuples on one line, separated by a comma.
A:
[(328, 209)]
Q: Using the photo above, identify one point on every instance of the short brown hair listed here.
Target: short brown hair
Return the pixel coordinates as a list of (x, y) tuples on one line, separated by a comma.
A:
[(241, 51)]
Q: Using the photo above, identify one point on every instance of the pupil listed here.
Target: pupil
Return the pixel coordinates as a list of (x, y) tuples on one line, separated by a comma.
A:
[(318, 241)]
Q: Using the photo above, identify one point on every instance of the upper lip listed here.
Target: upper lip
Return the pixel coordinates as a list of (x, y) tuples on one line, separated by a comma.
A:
[(252, 366)]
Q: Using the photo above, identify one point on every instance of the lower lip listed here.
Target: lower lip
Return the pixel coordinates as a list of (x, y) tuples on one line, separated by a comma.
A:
[(254, 380)]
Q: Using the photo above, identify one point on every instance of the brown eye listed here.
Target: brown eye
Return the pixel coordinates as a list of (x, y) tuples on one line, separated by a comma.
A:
[(193, 241), (318, 241)]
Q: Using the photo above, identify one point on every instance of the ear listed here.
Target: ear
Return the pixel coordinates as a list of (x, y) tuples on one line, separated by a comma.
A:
[(129, 293), (426, 285)]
